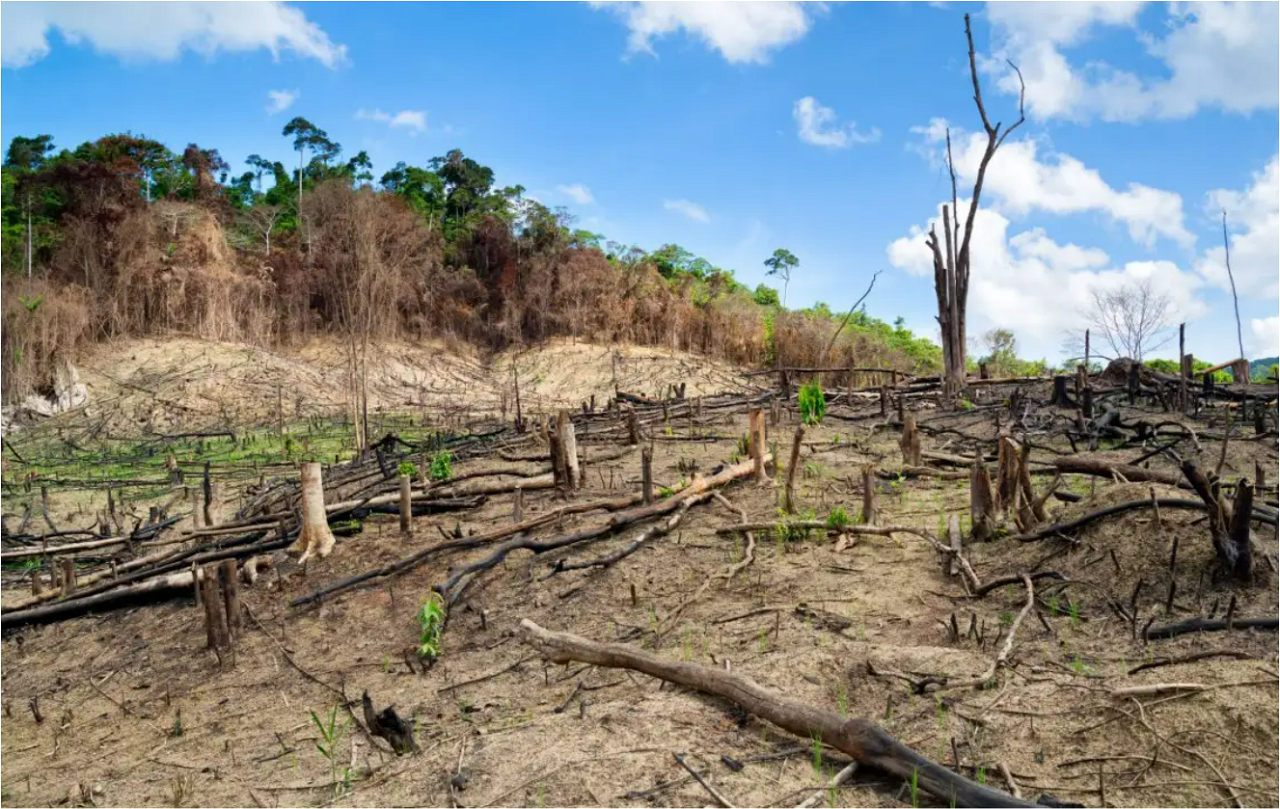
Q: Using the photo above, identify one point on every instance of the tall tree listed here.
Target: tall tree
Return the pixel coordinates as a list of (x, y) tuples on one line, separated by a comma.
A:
[(781, 264), (951, 269), (25, 156), (307, 135)]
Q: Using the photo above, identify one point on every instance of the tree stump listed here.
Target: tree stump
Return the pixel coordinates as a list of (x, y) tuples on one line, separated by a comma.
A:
[(68, 577), (951, 565), (884, 401), (314, 537), (789, 502), (215, 619), (1006, 473), (568, 446), (1060, 397), (755, 442), (633, 426), (868, 494), (406, 505), (208, 505), (910, 442), (981, 504), (389, 725), (646, 472), (230, 596)]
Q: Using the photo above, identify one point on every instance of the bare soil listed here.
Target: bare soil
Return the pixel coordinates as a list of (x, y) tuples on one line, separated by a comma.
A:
[(137, 712)]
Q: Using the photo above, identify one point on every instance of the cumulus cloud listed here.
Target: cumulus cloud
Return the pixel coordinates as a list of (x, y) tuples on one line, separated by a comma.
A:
[(687, 209), (280, 100), (413, 120), (741, 32), (1253, 216), (137, 30), (1264, 336), (1022, 181), (1038, 288), (819, 126), (577, 192), (1212, 55)]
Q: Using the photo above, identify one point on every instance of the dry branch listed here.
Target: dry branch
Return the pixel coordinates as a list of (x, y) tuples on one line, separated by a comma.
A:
[(863, 741)]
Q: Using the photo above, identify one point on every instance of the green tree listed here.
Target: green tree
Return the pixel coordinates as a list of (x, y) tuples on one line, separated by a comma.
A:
[(781, 264), (765, 296), (307, 135)]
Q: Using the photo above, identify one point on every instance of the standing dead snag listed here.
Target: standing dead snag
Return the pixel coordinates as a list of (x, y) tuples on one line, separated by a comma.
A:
[(314, 537), (951, 270), (646, 472), (862, 740), (406, 505)]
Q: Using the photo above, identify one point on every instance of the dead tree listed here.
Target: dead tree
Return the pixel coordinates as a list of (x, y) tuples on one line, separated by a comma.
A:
[(951, 257), (910, 441)]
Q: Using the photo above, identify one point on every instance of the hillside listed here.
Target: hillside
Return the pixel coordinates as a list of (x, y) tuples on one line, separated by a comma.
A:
[(129, 240)]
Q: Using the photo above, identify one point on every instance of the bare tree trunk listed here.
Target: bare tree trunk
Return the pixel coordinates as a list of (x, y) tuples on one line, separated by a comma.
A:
[(314, 536), (756, 439)]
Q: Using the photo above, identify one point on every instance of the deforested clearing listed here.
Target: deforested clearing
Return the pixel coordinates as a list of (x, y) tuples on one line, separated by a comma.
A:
[(327, 487)]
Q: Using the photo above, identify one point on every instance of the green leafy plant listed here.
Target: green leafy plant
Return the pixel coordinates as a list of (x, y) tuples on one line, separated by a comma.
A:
[(1073, 609), (813, 404), (914, 786), (442, 465), (966, 405), (430, 626), (981, 775), (1078, 666), (31, 302), (407, 468), (815, 748), (838, 518), (331, 732)]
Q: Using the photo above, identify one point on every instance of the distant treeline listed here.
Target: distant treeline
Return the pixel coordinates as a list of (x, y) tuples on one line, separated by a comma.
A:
[(123, 237)]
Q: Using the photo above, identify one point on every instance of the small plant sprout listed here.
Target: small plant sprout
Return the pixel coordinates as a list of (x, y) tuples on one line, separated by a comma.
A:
[(816, 749), (942, 714), (1078, 666), (1053, 605), (430, 626), (813, 404), (842, 700), (981, 775), (330, 734), (442, 465), (838, 519), (763, 642), (1073, 608), (914, 786), (407, 468), (1006, 618)]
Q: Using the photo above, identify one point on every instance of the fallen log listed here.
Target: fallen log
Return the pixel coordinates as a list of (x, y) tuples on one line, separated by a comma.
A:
[(408, 563), (111, 595), (862, 740), (451, 589), (1119, 508), (1205, 625), (1105, 469)]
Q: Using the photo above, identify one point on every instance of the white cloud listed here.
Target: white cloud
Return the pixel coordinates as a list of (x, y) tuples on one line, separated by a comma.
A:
[(741, 32), (1058, 183), (413, 120), (1216, 55), (1264, 336), (577, 192), (687, 209), (1037, 287), (281, 100), (1254, 216), (818, 125), (137, 30)]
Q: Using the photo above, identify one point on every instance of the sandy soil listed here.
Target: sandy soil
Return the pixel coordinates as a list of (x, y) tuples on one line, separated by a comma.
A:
[(137, 712)]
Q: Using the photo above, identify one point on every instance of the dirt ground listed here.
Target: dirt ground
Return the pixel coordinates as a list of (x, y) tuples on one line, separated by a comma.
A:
[(136, 712), (181, 383)]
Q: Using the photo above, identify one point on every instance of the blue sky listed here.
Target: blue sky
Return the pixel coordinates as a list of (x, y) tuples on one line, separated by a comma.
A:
[(734, 129)]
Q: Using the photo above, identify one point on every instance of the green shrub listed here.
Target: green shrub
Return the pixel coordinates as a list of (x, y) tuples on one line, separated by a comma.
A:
[(813, 405), (442, 465)]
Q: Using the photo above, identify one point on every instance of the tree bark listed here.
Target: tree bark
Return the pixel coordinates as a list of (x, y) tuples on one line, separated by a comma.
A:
[(981, 505), (756, 439), (910, 442), (789, 502)]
